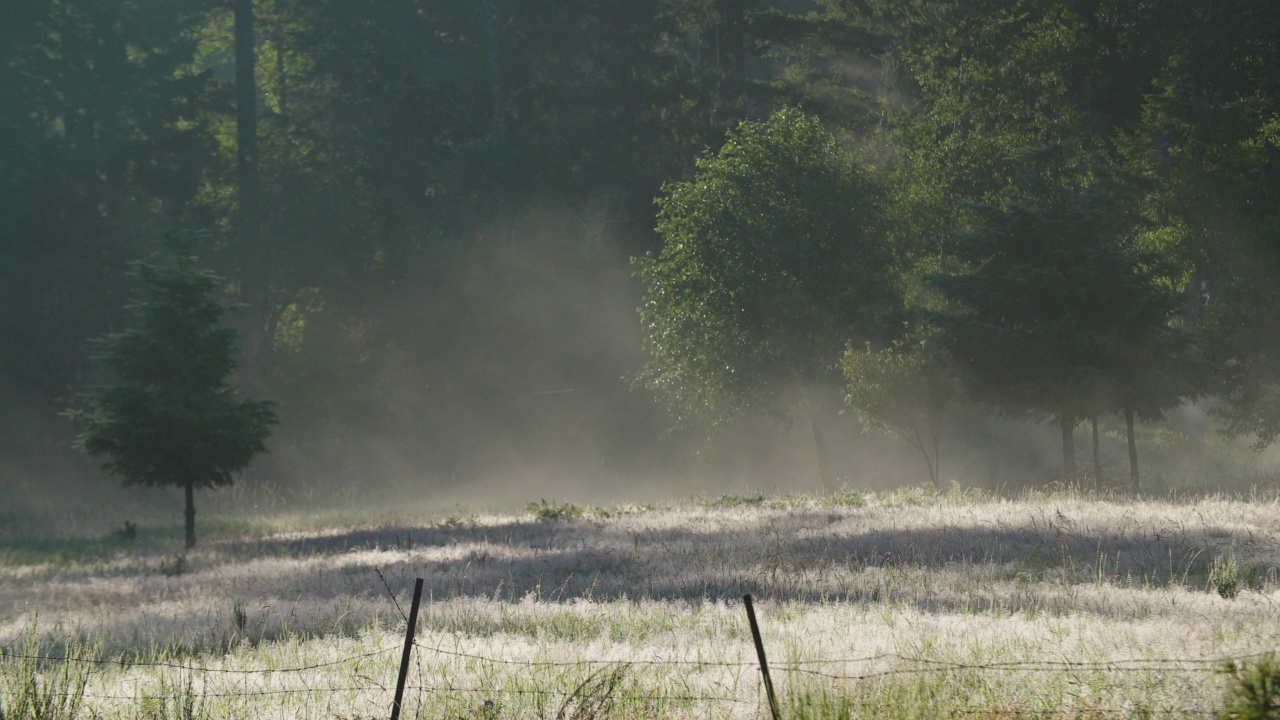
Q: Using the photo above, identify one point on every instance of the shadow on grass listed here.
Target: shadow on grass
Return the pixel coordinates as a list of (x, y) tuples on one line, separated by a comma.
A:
[(812, 556), (1040, 564)]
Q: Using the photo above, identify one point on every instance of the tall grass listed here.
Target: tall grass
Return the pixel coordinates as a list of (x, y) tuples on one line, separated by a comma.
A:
[(36, 689), (923, 602)]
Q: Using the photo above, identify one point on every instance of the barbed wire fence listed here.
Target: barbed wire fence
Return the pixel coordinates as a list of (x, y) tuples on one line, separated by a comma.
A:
[(602, 677)]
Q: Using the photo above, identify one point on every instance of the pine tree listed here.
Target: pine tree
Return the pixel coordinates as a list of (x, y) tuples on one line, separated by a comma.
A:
[(1055, 315), (171, 418)]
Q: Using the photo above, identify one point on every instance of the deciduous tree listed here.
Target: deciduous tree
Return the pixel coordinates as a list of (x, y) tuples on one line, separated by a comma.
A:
[(773, 258)]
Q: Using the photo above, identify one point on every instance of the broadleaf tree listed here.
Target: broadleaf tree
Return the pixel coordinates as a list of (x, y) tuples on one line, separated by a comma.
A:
[(773, 258), (171, 418)]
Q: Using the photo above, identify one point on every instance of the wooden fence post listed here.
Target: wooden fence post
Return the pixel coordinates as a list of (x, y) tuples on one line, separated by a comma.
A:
[(764, 664), (408, 646)]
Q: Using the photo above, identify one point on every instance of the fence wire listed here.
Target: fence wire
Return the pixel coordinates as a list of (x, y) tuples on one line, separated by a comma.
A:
[(193, 668), (800, 666), (917, 665), (372, 690)]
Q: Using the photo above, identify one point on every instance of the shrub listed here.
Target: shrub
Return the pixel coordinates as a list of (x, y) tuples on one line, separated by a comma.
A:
[(843, 498), (1255, 690)]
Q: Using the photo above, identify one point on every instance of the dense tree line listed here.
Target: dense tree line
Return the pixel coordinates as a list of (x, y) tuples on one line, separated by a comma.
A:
[(427, 206)]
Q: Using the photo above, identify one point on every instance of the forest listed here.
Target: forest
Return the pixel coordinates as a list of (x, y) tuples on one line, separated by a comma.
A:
[(486, 237)]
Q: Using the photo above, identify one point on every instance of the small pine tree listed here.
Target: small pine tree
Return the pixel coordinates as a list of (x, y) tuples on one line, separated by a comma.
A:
[(171, 418)]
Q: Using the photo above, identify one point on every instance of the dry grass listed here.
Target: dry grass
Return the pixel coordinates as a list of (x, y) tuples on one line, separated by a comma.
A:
[(1066, 594)]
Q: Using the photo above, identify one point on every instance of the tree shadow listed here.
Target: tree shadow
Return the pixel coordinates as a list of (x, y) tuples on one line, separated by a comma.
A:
[(808, 558)]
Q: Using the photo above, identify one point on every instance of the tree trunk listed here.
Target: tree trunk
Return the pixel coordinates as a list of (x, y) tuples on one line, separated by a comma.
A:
[(1133, 448), (247, 221), (1097, 456), (1067, 424), (730, 48), (929, 460), (246, 112), (191, 514), (820, 446)]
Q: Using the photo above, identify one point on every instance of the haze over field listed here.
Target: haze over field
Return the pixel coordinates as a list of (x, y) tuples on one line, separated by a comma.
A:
[(948, 329)]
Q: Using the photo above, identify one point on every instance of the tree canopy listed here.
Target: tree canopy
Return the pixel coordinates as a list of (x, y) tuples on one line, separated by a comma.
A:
[(427, 208)]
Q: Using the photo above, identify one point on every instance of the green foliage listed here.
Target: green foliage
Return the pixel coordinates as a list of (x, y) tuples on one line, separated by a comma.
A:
[(171, 418), (172, 699), (819, 704), (729, 500), (239, 616), (1055, 314), (594, 697), (1255, 690), (101, 131), (1245, 357), (491, 155), (1206, 152), (35, 689), (1224, 575), (552, 511), (843, 499), (773, 257)]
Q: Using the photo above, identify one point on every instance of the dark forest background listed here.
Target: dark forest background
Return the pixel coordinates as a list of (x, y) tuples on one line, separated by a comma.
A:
[(428, 208)]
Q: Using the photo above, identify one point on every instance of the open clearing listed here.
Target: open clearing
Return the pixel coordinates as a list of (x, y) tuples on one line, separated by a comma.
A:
[(903, 604)]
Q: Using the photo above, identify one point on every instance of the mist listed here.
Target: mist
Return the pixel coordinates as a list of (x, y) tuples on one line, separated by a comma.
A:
[(428, 219), (512, 382)]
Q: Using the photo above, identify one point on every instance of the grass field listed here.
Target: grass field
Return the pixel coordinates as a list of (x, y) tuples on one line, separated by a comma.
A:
[(902, 604)]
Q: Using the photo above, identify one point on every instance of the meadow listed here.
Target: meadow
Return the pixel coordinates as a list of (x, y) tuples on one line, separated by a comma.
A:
[(905, 604)]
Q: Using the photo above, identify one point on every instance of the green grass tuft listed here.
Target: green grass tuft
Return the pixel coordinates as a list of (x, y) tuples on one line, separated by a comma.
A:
[(543, 510)]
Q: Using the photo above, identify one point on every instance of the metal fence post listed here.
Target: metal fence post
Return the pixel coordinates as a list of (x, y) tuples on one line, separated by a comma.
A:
[(408, 646), (764, 664)]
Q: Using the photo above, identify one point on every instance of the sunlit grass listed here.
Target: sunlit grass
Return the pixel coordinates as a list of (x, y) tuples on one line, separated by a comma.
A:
[(915, 603)]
